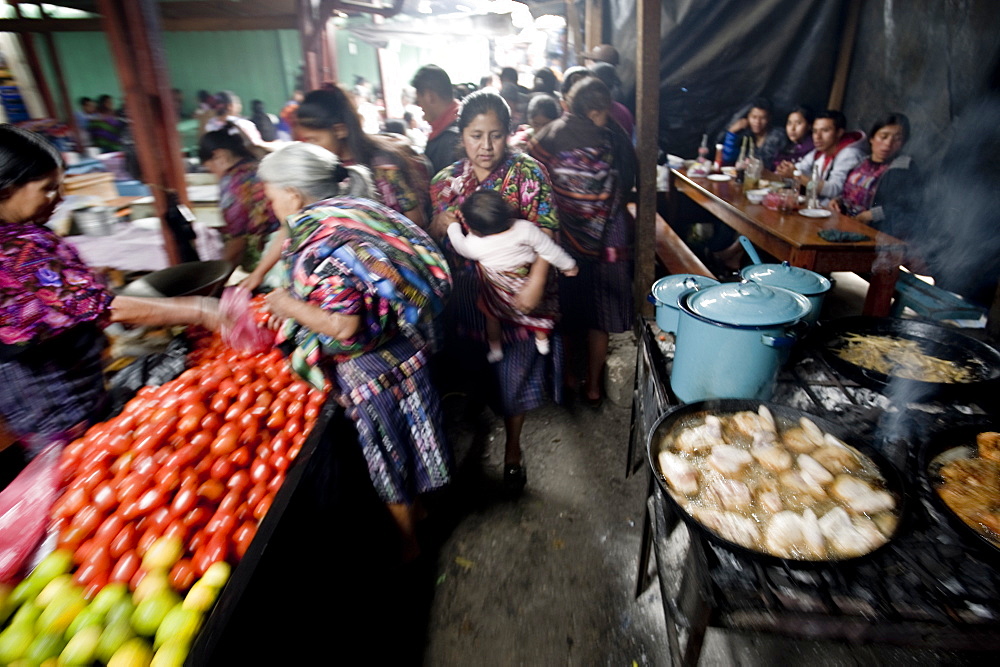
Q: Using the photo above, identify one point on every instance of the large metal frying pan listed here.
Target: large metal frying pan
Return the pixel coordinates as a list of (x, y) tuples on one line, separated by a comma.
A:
[(942, 447), (694, 411), (189, 278), (934, 339)]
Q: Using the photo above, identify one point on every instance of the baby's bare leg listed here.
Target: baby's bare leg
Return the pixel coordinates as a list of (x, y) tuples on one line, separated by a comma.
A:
[(493, 336)]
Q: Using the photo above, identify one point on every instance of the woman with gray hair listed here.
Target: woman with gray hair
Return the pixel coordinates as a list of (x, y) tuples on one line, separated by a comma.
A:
[(362, 279)]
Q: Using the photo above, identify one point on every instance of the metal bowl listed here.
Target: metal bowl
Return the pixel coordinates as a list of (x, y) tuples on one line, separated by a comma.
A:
[(187, 279)]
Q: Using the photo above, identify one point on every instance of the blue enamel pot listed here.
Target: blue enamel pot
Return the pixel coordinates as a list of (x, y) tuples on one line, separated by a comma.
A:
[(808, 283), (732, 339), (664, 295)]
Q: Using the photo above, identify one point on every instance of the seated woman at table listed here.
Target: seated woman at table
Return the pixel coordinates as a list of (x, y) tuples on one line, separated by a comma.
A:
[(878, 191), (228, 110), (245, 208), (755, 125), (836, 153), (798, 136), (53, 308), (363, 278)]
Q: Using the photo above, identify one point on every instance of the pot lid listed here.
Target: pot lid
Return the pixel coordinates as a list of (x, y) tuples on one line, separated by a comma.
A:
[(790, 277), (668, 288), (747, 304)]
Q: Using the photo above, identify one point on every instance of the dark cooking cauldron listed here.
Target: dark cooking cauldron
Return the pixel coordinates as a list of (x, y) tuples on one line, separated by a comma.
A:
[(187, 279)]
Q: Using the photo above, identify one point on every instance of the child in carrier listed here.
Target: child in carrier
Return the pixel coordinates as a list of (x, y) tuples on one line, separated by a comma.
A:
[(504, 249)]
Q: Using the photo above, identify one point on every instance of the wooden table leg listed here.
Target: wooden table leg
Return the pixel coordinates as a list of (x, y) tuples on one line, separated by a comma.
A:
[(878, 301)]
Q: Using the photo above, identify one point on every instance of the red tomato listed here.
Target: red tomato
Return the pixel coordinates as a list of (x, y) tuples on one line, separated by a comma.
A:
[(228, 388), (159, 518), (133, 486), (70, 503), (311, 412), (148, 537), (260, 472), (136, 578), (280, 463), (167, 478), (277, 420), (223, 521), (255, 494), (242, 376), (151, 440), (82, 552), (197, 518), (293, 427), (188, 424), (182, 575), (197, 541), (295, 409), (235, 410), (124, 541), (239, 480), (294, 450), (184, 500), (243, 537), (213, 420), (259, 410), (177, 529), (104, 497), (275, 483), (221, 469), (143, 464), (152, 499), (212, 552), (229, 503), (212, 490), (192, 408), (220, 403), (261, 508), (240, 458), (126, 567), (89, 574), (109, 528), (87, 520), (224, 445)]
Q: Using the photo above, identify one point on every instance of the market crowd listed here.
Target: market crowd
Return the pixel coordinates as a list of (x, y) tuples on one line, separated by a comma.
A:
[(499, 245), (488, 253)]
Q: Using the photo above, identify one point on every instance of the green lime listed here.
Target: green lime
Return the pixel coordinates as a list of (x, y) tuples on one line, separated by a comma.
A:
[(136, 652), (14, 642), (82, 648), (150, 612)]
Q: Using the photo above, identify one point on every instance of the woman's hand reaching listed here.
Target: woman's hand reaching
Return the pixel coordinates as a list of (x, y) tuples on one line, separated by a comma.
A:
[(439, 225)]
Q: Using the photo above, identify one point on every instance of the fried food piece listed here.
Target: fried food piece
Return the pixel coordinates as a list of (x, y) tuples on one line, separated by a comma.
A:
[(680, 474), (773, 457), (989, 445), (729, 460), (731, 494), (837, 459), (859, 496)]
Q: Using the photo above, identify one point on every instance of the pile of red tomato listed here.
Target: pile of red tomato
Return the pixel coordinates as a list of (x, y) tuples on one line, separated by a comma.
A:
[(200, 457)]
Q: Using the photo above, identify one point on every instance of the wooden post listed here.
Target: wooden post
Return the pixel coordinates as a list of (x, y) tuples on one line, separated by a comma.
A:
[(836, 100), (31, 55), (573, 29), (67, 101), (593, 24), (133, 31), (647, 134), (310, 64)]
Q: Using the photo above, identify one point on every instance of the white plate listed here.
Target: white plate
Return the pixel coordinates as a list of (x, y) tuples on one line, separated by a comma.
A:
[(760, 192), (816, 213), (719, 177), (146, 223)]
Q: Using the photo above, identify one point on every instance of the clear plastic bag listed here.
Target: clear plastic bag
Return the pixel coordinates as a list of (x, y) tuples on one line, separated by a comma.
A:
[(24, 510), (240, 330)]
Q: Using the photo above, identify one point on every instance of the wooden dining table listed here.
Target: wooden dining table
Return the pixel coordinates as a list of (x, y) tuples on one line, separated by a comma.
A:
[(792, 237)]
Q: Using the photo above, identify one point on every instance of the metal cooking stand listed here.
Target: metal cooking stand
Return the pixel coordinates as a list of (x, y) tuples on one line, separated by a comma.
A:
[(693, 600)]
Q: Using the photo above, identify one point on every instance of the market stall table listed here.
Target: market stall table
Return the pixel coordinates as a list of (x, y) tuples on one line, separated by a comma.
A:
[(927, 588), (794, 238)]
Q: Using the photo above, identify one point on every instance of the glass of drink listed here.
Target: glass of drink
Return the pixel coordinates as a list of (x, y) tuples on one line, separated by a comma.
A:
[(752, 174)]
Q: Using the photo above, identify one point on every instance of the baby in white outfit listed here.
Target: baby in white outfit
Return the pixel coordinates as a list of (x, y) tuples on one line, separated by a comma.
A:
[(504, 249)]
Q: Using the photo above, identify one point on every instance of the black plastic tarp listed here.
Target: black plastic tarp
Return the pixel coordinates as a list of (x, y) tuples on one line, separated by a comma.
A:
[(928, 58)]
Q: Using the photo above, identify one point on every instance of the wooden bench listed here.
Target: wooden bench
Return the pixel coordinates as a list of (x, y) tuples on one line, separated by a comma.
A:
[(673, 252)]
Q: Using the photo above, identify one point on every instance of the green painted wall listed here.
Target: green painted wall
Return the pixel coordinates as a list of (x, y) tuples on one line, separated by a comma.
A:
[(255, 64)]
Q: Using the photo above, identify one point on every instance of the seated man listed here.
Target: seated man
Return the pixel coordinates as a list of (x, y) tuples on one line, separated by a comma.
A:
[(837, 152)]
